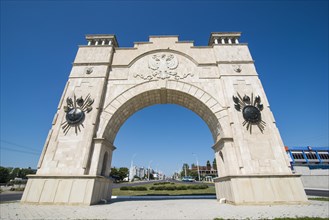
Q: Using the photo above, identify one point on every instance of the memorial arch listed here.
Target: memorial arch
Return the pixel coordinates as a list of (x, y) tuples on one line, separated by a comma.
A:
[(108, 84)]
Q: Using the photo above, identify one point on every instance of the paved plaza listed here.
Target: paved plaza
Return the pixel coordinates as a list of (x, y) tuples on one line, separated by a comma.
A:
[(162, 209)]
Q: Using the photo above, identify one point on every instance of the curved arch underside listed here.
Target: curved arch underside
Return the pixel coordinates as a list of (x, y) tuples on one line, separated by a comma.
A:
[(161, 96)]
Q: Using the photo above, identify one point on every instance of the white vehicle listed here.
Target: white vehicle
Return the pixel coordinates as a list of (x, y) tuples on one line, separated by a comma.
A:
[(188, 179)]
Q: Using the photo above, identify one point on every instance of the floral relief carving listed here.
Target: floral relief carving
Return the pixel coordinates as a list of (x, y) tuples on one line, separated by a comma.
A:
[(163, 66)]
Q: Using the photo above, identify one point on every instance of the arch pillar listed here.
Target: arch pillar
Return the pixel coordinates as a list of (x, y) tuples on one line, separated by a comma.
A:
[(238, 187), (101, 146), (75, 189)]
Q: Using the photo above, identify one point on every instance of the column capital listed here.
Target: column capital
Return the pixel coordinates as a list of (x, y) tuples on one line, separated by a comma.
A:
[(218, 146), (105, 142)]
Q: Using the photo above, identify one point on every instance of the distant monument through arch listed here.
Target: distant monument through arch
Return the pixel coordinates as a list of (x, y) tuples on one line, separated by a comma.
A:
[(108, 84)]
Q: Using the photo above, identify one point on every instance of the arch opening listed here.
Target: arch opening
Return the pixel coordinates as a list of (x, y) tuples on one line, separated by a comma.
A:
[(104, 165), (166, 136), (161, 96)]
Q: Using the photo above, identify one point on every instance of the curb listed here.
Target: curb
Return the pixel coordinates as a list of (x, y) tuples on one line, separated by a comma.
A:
[(166, 197), (316, 189)]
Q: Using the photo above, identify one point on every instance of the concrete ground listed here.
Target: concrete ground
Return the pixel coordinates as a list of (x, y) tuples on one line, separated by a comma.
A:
[(127, 208)]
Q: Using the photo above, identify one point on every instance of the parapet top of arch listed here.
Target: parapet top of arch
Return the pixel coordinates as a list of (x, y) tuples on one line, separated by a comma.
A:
[(163, 51), (127, 58), (197, 55)]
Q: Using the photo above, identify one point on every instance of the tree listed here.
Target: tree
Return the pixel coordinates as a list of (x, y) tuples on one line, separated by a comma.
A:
[(214, 164), (120, 173), (185, 170), (4, 175), (194, 174), (123, 172), (15, 173), (114, 172), (25, 172), (208, 165)]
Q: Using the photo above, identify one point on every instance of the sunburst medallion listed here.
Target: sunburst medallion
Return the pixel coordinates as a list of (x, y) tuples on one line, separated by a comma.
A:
[(251, 111), (75, 112)]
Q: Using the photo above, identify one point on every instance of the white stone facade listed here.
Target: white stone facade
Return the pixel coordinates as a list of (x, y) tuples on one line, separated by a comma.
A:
[(253, 166)]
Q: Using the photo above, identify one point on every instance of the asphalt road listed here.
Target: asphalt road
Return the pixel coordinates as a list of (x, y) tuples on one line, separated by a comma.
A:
[(12, 196), (312, 192)]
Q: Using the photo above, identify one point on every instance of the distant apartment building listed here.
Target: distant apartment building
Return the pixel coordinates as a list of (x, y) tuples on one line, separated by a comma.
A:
[(137, 171), (142, 173)]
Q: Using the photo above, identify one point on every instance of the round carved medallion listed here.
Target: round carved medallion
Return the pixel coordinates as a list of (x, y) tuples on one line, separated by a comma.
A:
[(75, 116), (251, 113)]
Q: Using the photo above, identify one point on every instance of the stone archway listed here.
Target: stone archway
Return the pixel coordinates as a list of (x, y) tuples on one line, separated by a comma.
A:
[(173, 92), (108, 84)]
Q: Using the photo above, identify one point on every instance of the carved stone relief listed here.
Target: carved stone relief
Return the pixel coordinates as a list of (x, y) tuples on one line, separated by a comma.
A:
[(75, 112), (251, 111), (163, 66), (237, 68), (89, 70)]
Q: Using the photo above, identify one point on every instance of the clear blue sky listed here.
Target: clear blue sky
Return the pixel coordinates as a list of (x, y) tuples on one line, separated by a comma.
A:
[(287, 39)]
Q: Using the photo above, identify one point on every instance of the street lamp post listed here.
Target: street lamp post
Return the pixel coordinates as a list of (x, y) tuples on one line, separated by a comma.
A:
[(148, 173), (197, 164), (185, 170), (131, 168)]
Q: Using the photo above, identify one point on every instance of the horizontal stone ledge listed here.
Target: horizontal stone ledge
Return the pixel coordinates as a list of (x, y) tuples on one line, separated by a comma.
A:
[(235, 62), (89, 64), (224, 178), (227, 44), (99, 45), (66, 177)]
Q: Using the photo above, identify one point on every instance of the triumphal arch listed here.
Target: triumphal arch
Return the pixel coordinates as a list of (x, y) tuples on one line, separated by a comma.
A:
[(109, 83)]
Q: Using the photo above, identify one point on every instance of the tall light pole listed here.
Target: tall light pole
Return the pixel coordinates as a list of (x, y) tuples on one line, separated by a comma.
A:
[(185, 169), (157, 171), (179, 170), (148, 173), (131, 168), (197, 164)]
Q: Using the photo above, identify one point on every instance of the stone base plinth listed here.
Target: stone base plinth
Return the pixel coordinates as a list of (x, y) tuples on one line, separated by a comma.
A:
[(70, 190), (260, 189)]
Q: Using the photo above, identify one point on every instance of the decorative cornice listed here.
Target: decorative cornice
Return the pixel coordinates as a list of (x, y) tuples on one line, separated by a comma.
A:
[(33, 176), (229, 177), (91, 64), (102, 40), (163, 36), (217, 38), (236, 62)]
